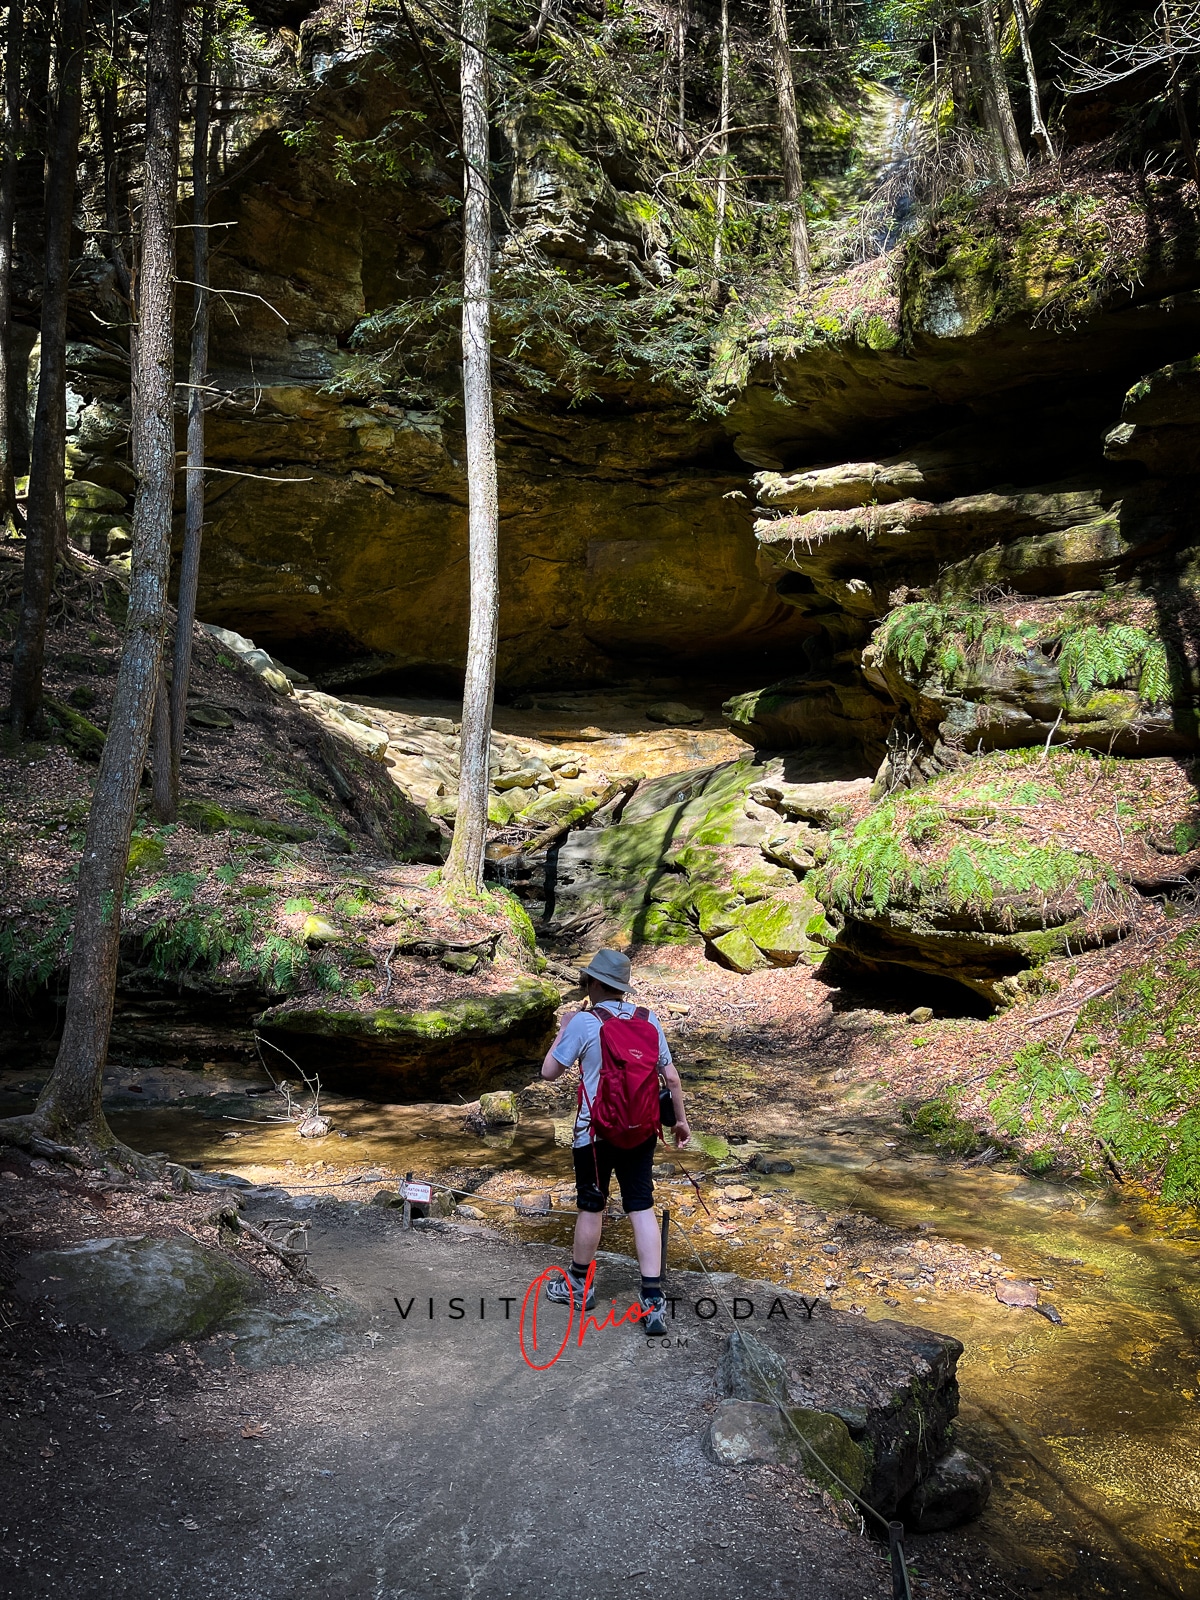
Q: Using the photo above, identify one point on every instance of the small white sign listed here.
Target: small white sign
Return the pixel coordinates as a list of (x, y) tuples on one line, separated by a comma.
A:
[(422, 1192)]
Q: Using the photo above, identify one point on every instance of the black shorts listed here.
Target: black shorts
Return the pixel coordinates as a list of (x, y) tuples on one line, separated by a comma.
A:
[(632, 1167)]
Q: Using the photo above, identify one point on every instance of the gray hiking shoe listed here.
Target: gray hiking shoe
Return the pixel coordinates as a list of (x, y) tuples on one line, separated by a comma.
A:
[(654, 1315), (556, 1290)]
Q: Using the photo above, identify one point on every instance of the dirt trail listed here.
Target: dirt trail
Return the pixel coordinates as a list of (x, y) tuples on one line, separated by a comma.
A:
[(431, 1461)]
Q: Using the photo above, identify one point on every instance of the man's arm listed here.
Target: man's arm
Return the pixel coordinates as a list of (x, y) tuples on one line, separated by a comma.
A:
[(681, 1130), (554, 1067)]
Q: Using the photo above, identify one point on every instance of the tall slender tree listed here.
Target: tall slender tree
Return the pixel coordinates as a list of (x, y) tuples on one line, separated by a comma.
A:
[(993, 61), (193, 518), (464, 866), (69, 1107), (45, 532), (723, 175), (10, 147), (1041, 134), (789, 139)]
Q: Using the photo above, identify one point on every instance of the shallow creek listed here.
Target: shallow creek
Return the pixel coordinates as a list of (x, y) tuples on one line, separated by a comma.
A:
[(1090, 1425)]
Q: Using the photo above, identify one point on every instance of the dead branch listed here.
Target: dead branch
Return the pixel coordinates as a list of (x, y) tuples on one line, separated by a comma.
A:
[(581, 813)]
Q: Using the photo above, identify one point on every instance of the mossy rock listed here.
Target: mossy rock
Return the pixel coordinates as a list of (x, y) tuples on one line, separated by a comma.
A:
[(465, 1046), (737, 950), (206, 816), (815, 1443), (82, 736), (718, 911), (785, 930), (958, 877), (145, 853), (501, 810)]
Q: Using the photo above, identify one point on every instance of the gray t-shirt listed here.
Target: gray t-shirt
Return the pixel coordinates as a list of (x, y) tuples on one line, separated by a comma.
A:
[(579, 1042)]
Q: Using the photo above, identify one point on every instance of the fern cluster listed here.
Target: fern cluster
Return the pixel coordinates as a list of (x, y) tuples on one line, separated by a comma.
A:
[(1097, 657), (925, 637), (876, 864), (1146, 1107), (206, 936)]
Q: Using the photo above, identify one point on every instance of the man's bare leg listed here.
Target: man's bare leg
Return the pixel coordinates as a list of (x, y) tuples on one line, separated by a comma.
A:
[(648, 1241), (588, 1227)]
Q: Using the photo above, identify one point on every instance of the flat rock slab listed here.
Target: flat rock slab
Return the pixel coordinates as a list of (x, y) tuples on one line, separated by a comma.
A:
[(145, 1293), (317, 1329)]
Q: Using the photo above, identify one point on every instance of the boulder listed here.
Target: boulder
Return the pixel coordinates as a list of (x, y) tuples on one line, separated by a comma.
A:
[(314, 1330), (953, 1492), (745, 1433), (750, 1370), (892, 1388), (462, 1046), (979, 874), (674, 714), (829, 805), (694, 855), (145, 1293), (499, 1108)]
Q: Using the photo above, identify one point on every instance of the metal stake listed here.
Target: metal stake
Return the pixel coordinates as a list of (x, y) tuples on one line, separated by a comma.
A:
[(406, 1219), (900, 1588)]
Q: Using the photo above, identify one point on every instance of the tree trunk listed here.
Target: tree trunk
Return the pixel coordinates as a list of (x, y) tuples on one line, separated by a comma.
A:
[(1041, 134), (1176, 98), (985, 100), (1002, 100), (193, 520), (789, 139), (70, 1102), (960, 88), (723, 178), (464, 866), (10, 137), (45, 532), (681, 78)]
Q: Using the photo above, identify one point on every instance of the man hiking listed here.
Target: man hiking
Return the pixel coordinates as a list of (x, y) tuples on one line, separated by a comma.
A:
[(622, 1052)]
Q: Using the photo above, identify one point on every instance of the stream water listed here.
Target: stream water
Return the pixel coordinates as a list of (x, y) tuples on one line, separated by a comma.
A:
[(1089, 1425)]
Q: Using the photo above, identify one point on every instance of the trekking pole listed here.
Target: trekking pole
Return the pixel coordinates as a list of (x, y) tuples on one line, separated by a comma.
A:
[(666, 1231), (406, 1219), (900, 1587)]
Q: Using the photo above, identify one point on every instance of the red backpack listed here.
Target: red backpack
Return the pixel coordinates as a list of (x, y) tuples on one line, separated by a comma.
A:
[(626, 1109)]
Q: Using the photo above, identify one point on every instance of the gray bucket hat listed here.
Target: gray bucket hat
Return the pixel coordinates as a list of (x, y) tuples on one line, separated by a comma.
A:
[(610, 967)]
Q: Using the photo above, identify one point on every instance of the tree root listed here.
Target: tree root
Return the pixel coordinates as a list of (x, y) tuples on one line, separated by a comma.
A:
[(92, 1149)]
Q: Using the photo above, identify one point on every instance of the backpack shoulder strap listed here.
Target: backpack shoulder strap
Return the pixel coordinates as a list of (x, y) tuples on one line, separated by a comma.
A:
[(642, 1014)]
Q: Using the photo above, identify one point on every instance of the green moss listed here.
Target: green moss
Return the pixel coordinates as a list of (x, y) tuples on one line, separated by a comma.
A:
[(208, 817), (834, 1461), (472, 1017), (145, 853), (83, 737)]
